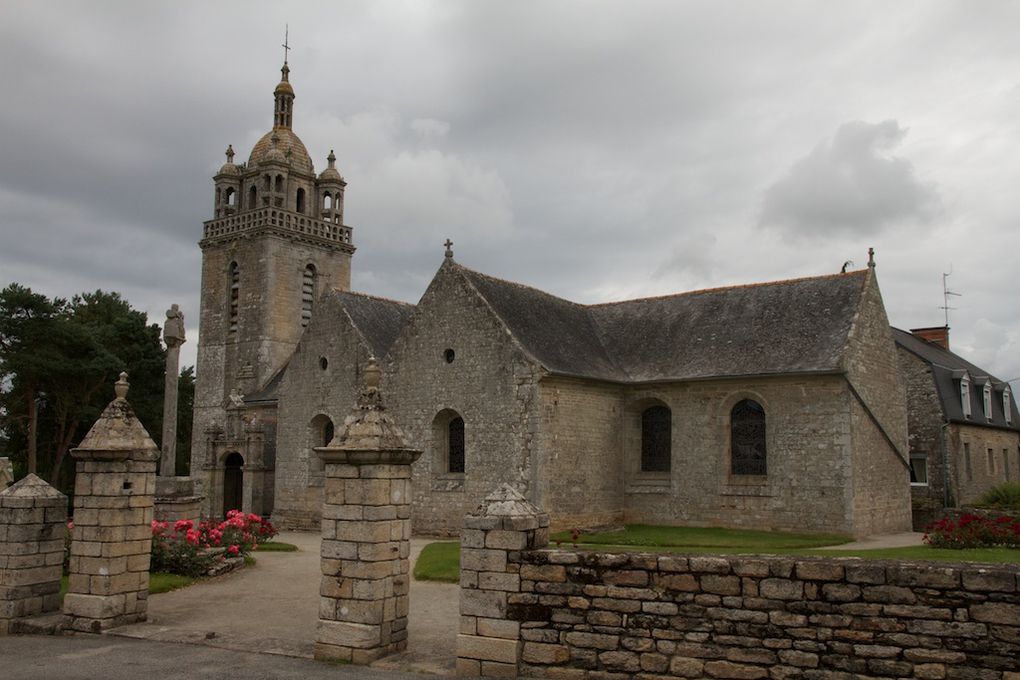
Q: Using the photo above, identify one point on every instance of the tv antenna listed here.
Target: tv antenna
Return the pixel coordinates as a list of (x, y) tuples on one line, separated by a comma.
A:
[(946, 293)]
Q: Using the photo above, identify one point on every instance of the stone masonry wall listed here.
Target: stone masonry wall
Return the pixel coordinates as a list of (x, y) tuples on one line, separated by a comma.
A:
[(880, 478), (33, 518), (309, 391), (590, 615), (808, 469), (269, 320), (924, 417), (991, 450), (580, 444), (490, 383)]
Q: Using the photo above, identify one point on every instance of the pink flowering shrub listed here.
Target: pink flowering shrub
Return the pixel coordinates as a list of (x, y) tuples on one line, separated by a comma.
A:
[(973, 531), (182, 548)]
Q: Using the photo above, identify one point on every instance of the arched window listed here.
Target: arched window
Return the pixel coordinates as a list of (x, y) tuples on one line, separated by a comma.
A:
[(448, 440), (656, 439), (266, 179), (747, 438), (279, 184), (307, 295), (253, 197), (235, 295), (230, 196), (455, 445), (327, 201), (299, 201), (218, 197)]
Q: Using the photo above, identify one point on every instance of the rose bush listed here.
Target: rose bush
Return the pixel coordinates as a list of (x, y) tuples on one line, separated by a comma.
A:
[(973, 531), (182, 548)]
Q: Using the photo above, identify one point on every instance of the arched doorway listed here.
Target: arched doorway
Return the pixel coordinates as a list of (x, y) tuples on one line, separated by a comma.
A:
[(233, 482)]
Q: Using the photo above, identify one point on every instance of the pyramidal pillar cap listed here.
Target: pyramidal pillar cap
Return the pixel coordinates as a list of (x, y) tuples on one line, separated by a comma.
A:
[(370, 435), (118, 434)]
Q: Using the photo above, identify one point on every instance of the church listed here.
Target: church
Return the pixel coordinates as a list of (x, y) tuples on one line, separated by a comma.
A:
[(770, 405)]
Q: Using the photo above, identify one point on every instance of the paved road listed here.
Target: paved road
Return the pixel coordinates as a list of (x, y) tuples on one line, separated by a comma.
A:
[(92, 657)]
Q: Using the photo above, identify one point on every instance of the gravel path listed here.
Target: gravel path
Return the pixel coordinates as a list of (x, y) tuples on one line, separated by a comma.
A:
[(273, 608)]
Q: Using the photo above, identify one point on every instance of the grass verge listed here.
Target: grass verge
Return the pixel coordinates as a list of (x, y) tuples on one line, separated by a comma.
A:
[(648, 536), (159, 582), (439, 562)]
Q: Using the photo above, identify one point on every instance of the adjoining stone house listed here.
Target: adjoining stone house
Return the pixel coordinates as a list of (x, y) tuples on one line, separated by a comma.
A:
[(963, 423), (774, 405)]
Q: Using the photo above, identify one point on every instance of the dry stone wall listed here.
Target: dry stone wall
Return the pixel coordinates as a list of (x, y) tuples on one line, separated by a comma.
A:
[(588, 615), (575, 615)]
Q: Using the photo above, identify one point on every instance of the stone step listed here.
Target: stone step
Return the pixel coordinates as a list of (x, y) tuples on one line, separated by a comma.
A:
[(52, 623)]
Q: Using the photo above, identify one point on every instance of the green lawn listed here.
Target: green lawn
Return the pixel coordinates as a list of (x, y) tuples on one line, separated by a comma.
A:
[(159, 582), (439, 562), (700, 539)]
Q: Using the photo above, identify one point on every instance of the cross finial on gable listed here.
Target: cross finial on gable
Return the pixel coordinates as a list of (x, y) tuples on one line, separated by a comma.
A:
[(449, 248)]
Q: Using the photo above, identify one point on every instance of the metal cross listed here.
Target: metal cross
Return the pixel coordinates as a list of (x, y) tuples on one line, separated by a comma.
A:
[(449, 248), (286, 42)]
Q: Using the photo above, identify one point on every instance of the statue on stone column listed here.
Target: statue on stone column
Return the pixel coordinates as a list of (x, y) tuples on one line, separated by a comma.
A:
[(173, 336), (173, 329)]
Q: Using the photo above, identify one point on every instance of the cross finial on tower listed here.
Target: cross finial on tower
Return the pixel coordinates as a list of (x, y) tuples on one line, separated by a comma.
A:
[(286, 42), (449, 248)]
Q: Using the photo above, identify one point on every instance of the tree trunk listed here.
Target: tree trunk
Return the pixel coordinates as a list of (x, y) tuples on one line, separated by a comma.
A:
[(33, 430), (62, 447)]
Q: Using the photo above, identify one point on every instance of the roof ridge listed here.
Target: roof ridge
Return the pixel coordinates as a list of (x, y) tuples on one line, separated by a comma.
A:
[(737, 286)]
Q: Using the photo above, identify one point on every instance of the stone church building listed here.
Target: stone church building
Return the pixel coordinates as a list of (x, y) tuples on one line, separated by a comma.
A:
[(772, 405)]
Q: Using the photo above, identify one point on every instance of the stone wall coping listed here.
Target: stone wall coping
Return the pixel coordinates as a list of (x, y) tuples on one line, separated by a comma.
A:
[(367, 456), (713, 563)]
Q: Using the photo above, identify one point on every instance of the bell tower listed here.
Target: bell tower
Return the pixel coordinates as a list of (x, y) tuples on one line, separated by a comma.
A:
[(275, 243)]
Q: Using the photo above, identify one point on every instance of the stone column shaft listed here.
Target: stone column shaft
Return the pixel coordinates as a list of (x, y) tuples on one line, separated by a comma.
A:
[(168, 459)]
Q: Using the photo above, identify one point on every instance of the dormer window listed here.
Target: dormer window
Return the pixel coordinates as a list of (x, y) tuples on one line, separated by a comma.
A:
[(965, 396), (987, 400), (1007, 406)]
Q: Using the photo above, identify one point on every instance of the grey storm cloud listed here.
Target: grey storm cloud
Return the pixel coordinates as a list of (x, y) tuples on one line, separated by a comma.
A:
[(851, 184)]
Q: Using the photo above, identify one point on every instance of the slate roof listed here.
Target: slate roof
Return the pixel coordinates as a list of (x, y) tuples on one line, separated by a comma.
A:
[(947, 368), (795, 326), (379, 320)]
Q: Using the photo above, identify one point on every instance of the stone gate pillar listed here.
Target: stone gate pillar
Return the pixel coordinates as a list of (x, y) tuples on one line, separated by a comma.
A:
[(366, 531), (113, 502), (33, 524)]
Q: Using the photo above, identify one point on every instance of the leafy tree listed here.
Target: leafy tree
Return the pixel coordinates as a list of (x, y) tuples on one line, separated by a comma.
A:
[(185, 407), (58, 361)]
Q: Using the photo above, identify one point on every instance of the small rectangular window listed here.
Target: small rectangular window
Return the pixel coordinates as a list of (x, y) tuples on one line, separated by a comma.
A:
[(991, 462), (987, 392), (968, 468), (919, 470), (1005, 463)]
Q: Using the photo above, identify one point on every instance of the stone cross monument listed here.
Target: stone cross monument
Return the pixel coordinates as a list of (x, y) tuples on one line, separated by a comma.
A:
[(173, 336)]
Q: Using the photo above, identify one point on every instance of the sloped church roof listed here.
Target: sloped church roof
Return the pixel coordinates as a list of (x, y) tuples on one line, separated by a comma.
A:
[(794, 326)]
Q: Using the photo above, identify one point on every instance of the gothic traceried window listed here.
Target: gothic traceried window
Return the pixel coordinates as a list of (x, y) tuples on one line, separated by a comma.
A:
[(747, 438), (656, 438), (307, 295)]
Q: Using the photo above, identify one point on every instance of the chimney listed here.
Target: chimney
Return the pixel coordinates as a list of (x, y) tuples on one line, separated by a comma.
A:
[(937, 335)]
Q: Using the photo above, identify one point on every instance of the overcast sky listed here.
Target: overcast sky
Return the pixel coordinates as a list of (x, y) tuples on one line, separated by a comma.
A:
[(597, 150)]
